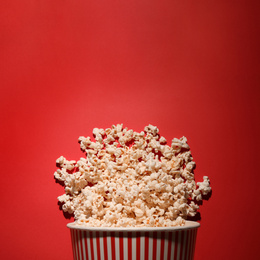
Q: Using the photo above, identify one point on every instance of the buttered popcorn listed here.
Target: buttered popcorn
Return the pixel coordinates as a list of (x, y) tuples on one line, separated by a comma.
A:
[(131, 179)]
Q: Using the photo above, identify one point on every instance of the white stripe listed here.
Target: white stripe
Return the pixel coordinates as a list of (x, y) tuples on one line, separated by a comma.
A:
[(150, 245), (158, 245), (88, 245), (134, 246), (125, 243), (166, 241), (79, 239), (83, 245), (142, 245), (109, 252), (95, 245), (173, 244), (117, 247), (101, 241)]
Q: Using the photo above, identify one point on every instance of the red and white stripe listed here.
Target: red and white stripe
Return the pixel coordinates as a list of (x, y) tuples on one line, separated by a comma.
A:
[(156, 245)]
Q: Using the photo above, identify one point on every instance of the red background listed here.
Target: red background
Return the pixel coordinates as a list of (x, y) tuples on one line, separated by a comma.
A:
[(189, 67)]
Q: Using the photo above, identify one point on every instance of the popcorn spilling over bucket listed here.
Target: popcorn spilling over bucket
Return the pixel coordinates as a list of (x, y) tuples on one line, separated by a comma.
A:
[(131, 195), (174, 243), (131, 179)]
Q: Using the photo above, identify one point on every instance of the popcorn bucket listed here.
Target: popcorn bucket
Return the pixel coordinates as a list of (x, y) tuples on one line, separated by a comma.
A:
[(145, 243)]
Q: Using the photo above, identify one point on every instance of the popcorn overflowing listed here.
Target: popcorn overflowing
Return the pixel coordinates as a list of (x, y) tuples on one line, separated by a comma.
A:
[(131, 179)]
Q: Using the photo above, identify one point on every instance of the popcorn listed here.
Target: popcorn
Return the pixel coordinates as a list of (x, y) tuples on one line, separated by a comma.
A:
[(131, 179)]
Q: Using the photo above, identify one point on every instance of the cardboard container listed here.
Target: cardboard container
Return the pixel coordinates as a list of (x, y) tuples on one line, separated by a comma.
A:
[(167, 243)]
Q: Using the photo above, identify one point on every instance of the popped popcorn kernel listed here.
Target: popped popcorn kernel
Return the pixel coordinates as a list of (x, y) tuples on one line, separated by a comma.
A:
[(131, 179)]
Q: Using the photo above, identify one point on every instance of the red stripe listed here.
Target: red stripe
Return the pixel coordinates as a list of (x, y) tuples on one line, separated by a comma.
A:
[(86, 245), (98, 245), (113, 245), (162, 244), (76, 244), (170, 238), (105, 245), (176, 245), (154, 245), (138, 244), (129, 243), (121, 245), (146, 246), (91, 244)]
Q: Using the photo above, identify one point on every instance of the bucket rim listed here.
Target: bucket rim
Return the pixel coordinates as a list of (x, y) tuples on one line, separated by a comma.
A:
[(188, 225)]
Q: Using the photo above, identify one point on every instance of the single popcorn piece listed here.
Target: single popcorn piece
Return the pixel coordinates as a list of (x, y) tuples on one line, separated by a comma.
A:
[(131, 179)]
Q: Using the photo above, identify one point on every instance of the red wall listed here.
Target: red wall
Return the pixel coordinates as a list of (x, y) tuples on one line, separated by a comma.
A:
[(189, 67)]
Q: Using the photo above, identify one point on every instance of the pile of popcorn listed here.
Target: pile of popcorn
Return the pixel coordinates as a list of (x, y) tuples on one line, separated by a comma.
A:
[(131, 179)]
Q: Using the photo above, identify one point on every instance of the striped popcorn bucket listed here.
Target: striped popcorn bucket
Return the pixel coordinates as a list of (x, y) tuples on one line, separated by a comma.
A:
[(167, 243)]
